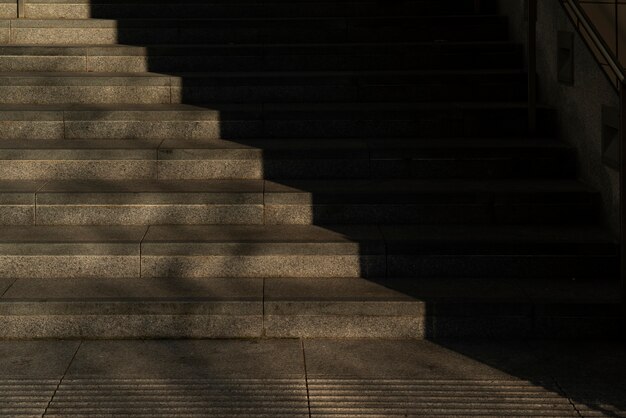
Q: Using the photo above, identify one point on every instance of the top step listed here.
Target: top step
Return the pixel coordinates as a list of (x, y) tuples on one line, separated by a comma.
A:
[(237, 30), (113, 9)]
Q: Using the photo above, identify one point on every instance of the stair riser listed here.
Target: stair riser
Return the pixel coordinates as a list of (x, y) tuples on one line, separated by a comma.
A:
[(181, 214), (263, 266), (137, 326), (255, 94), (488, 167), (467, 214), (69, 266), (423, 124), (517, 266), (254, 61), (146, 326), (243, 32), (357, 168), (110, 213), (79, 169), (43, 10), (314, 266)]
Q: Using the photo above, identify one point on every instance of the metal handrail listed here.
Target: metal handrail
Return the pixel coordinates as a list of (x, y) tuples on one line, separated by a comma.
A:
[(599, 44), (581, 19)]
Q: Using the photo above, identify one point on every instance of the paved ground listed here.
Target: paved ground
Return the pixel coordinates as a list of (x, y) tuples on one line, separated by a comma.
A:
[(311, 378)]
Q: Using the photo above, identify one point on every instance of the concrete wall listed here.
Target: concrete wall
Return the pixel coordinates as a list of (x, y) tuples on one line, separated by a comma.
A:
[(579, 105)]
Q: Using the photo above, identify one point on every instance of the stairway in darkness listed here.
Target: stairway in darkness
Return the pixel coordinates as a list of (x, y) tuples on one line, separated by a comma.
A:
[(286, 168)]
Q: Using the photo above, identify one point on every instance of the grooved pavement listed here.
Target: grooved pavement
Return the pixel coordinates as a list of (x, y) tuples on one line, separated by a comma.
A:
[(311, 378)]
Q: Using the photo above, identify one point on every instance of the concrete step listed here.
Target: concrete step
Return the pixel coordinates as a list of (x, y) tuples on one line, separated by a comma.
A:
[(107, 9), (78, 159), (375, 158), (430, 202), (180, 251), (511, 251), (270, 120), (252, 30), (55, 252), (258, 87), (228, 202), (307, 308), (402, 251), (301, 202), (108, 159), (262, 57)]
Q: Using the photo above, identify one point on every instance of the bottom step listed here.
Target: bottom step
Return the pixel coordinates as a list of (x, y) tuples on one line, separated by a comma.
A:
[(307, 308)]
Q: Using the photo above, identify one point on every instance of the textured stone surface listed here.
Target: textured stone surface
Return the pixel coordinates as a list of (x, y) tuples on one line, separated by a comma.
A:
[(8, 10), (46, 252), (82, 290), (80, 160), (78, 94), (346, 308), (17, 202), (185, 359), (150, 203), (226, 397), (259, 266), (400, 359), (385, 114), (131, 326), (209, 160), (36, 358), (347, 377), (349, 326)]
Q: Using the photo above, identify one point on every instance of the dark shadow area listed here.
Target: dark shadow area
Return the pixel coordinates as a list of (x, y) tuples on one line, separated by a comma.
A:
[(341, 97)]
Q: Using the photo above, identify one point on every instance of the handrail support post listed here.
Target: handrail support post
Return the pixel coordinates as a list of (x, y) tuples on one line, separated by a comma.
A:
[(532, 67), (622, 204)]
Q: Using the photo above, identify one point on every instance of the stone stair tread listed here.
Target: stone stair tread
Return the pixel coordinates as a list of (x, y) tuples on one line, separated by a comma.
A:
[(365, 186), (123, 107), (311, 291), (153, 186), (339, 191), (250, 74), (227, 21), (383, 148), (291, 182), (392, 186), (432, 289), (187, 80), (494, 237), (261, 234), (21, 186), (257, 112), (80, 144), (377, 145), (98, 49), (498, 239), (139, 290), (109, 234)]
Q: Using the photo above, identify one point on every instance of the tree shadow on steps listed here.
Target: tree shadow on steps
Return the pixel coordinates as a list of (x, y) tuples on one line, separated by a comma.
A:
[(243, 71)]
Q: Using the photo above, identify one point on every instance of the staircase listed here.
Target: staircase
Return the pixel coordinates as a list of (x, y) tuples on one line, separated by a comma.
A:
[(301, 168)]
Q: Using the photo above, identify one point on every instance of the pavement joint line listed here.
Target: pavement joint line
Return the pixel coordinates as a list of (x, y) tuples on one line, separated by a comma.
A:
[(385, 247), (8, 288), (80, 344), (566, 395), (263, 308), (306, 377), (141, 249), (157, 158)]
